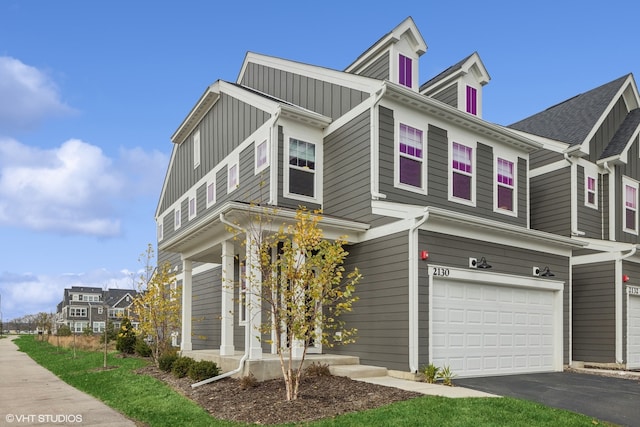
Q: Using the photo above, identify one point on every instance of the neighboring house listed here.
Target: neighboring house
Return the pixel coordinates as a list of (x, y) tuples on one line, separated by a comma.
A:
[(92, 307), (585, 185), (434, 201)]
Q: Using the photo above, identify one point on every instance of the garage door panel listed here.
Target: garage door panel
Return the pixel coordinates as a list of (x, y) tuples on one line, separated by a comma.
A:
[(503, 330), (633, 338)]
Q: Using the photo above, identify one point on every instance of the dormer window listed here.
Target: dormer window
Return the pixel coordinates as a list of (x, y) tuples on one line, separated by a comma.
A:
[(472, 100), (405, 75)]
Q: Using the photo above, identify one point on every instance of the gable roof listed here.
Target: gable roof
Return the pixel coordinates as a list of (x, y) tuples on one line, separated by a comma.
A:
[(573, 120), (462, 67), (627, 131)]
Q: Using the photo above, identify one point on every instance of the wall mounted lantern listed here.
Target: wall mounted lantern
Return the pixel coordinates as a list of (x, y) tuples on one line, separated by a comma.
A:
[(474, 263)]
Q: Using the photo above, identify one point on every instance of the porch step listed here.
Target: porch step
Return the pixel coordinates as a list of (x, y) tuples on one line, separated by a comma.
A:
[(358, 371)]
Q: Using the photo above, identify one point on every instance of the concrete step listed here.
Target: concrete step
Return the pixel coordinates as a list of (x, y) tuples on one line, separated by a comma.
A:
[(357, 371)]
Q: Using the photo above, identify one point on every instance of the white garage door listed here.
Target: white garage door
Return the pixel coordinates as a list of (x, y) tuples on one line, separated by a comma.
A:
[(482, 329), (633, 339)]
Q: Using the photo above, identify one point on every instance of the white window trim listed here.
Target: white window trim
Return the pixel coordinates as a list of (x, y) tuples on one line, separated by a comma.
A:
[(396, 157), (514, 160), (177, 218), (160, 230), (206, 189), (196, 148), (474, 170), (192, 214), (633, 183), (233, 163), (317, 172), (596, 177), (260, 168)]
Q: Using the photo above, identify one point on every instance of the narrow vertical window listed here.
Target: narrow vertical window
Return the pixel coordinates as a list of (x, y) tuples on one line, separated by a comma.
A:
[(462, 171), (196, 149), (472, 101), (302, 168), (160, 231), (192, 208), (177, 218), (262, 159), (505, 184), (630, 207), (591, 194), (405, 76), (211, 194), (411, 156), (232, 177)]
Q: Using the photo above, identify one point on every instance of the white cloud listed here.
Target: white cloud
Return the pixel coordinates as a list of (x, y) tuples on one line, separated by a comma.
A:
[(74, 188), (27, 95)]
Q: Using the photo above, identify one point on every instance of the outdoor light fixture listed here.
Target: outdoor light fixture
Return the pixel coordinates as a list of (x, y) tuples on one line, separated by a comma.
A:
[(625, 278), (474, 263), (546, 272), (424, 255)]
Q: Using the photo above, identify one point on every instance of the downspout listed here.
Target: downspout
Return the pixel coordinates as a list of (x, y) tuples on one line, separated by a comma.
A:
[(574, 198), (612, 201), (374, 147), (247, 336), (273, 168), (619, 297), (413, 290)]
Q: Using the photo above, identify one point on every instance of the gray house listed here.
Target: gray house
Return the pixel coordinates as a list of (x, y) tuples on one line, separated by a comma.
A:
[(585, 185), (434, 201)]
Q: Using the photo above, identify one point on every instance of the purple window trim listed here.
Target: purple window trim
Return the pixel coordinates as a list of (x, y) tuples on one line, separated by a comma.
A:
[(472, 100), (405, 76)]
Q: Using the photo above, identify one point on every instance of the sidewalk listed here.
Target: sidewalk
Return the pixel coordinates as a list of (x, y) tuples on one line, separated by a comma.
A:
[(426, 388), (33, 396)]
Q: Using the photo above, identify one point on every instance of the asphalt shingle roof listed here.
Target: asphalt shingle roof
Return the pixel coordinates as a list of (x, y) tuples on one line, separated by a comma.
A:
[(572, 120), (452, 69)]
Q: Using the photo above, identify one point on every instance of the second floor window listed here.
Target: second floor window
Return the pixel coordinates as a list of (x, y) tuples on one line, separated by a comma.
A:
[(630, 206), (411, 156), (461, 171), (233, 180), (177, 218), (192, 208), (211, 194), (77, 312), (302, 168), (505, 184), (261, 156), (591, 192)]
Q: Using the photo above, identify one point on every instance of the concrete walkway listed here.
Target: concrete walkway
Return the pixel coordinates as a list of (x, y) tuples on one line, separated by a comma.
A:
[(30, 395), (426, 388)]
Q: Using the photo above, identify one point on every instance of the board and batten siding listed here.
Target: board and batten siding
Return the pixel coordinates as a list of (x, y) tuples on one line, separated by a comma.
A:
[(631, 170), (455, 251), (437, 155), (378, 69), (607, 130), (322, 97), (551, 202), (589, 219), (206, 311), (347, 170), (448, 95), (381, 314), (222, 129), (593, 309)]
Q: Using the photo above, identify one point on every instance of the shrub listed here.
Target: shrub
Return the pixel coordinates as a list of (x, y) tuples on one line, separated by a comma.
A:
[(126, 341), (87, 331), (202, 370), (446, 375), (166, 361), (64, 331), (248, 381), (142, 349), (430, 373), (181, 366), (317, 370)]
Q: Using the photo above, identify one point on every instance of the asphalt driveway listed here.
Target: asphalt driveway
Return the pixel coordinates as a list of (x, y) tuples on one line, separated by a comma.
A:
[(616, 400)]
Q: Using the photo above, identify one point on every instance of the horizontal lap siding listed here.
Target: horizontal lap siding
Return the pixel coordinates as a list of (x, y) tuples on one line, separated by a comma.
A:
[(347, 170), (206, 309), (589, 219), (379, 69), (380, 315), (448, 96), (594, 312), (328, 99), (452, 251)]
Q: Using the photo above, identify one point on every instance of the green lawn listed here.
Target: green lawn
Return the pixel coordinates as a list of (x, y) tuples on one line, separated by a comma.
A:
[(152, 402)]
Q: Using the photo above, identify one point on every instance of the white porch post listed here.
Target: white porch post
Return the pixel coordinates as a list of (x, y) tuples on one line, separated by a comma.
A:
[(297, 347), (186, 305), (226, 342), (254, 302)]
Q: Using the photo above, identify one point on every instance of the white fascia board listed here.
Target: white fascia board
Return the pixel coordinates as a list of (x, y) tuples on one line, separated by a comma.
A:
[(458, 118), (353, 81), (547, 143), (483, 229), (165, 182), (551, 167), (305, 116), (204, 104)]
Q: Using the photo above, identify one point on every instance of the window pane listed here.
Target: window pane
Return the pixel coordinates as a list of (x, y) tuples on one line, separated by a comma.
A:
[(505, 198), (301, 182), (591, 198), (630, 220), (461, 186), (411, 141), (461, 157), (472, 105), (505, 172), (630, 199), (211, 193), (410, 172)]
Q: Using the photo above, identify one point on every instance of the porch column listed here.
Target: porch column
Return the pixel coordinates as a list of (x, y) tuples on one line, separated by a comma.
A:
[(254, 302), (297, 347), (186, 305), (226, 333)]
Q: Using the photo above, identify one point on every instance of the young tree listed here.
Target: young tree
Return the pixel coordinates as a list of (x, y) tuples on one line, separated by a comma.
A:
[(158, 304), (304, 288)]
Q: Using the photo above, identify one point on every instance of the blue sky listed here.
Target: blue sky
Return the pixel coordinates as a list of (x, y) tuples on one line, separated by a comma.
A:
[(91, 91)]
